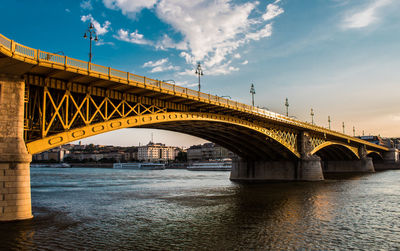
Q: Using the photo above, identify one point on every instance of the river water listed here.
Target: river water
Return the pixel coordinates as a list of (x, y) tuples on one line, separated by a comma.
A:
[(106, 209)]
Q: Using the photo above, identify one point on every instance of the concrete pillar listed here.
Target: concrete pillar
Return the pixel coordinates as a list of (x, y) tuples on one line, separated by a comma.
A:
[(15, 191), (362, 165), (391, 160), (306, 168), (282, 170)]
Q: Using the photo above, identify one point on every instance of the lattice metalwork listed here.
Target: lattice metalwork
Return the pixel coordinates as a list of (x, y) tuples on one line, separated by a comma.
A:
[(288, 138), (50, 111), (316, 141)]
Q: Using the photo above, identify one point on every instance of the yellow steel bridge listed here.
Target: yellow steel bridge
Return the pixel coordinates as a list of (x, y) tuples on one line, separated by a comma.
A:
[(67, 99)]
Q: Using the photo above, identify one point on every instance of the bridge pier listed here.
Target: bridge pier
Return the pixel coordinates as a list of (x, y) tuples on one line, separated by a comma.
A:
[(306, 168), (391, 160), (362, 165), (15, 195), (283, 170)]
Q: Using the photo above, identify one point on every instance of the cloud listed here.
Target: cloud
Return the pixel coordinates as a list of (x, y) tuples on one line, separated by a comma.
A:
[(129, 8), (100, 29), (245, 62), (366, 17), (101, 42), (211, 31), (67, 10), (160, 65), (265, 32), (273, 10), (133, 37), (86, 5)]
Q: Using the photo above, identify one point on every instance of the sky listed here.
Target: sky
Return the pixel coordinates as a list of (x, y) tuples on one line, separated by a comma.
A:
[(339, 57)]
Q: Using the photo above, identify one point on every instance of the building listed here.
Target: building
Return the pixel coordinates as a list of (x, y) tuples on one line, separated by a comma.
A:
[(208, 151), (387, 142), (156, 152), (53, 155)]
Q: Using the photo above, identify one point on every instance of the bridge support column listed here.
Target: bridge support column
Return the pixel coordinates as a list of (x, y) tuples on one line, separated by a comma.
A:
[(362, 165), (307, 168), (391, 160), (15, 195), (284, 170)]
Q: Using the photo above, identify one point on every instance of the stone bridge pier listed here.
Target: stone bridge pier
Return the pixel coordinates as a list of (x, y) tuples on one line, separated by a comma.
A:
[(362, 165), (391, 160), (306, 168), (15, 195)]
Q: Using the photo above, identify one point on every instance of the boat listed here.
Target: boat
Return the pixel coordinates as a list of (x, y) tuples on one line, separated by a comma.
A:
[(210, 166), (52, 165), (139, 166)]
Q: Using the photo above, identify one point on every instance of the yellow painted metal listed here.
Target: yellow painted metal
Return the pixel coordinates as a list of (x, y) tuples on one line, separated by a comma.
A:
[(149, 119), (330, 143), (37, 57), (380, 154)]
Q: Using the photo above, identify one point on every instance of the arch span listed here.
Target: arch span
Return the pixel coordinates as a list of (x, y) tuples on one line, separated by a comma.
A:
[(336, 151), (246, 139), (376, 156)]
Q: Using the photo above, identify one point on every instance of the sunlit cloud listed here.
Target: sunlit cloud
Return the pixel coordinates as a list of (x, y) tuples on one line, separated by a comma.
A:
[(365, 17)]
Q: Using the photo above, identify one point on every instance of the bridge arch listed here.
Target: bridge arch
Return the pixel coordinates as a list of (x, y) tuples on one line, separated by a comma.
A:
[(242, 137), (336, 151), (376, 156)]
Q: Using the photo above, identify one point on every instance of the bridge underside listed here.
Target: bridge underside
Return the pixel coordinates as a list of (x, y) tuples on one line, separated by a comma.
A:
[(244, 142)]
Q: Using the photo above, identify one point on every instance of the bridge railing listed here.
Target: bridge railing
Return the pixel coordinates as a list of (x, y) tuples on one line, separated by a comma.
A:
[(107, 72)]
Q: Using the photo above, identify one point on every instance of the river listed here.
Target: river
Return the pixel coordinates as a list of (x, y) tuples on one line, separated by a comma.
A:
[(106, 209)]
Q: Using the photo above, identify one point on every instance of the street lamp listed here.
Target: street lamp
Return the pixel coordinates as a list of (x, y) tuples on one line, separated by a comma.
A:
[(312, 116), (199, 72), (329, 122), (343, 127), (252, 91), (92, 35), (287, 107), (354, 131)]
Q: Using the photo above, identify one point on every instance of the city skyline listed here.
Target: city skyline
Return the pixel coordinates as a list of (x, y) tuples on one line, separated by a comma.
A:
[(338, 58)]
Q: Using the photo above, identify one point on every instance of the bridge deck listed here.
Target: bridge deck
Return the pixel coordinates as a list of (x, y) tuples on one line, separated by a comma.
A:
[(17, 59)]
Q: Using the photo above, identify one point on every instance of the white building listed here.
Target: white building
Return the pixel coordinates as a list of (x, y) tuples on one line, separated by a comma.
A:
[(156, 152)]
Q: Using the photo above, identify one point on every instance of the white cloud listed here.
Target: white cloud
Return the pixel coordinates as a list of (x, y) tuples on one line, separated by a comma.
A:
[(265, 32), (100, 29), (366, 17), (102, 42), (156, 63), (86, 5), (129, 7), (245, 62), (67, 10), (160, 65), (273, 10), (133, 37), (211, 31)]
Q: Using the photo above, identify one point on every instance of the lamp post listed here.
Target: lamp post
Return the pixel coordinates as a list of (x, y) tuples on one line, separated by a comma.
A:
[(329, 122), (354, 131), (343, 127), (199, 72), (252, 91), (287, 107), (312, 116), (92, 35)]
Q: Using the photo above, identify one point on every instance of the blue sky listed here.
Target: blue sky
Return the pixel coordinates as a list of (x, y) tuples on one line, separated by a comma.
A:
[(339, 57)]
